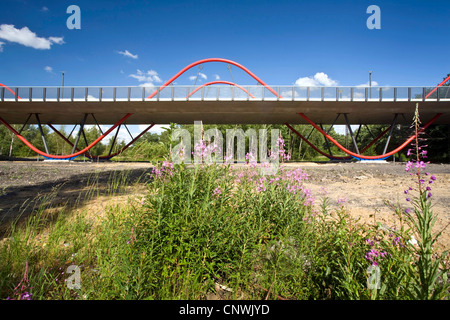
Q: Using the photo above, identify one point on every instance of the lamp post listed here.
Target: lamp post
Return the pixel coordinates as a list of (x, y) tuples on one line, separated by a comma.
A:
[(62, 94), (370, 84)]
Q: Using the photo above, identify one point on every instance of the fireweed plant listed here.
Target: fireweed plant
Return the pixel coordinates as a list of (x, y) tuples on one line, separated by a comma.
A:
[(428, 271)]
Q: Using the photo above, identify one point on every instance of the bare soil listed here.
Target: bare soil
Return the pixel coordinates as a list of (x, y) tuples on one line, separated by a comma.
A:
[(364, 187)]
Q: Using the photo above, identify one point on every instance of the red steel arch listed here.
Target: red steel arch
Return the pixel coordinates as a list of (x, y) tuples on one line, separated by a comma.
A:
[(73, 155), (358, 156), (8, 88), (214, 60)]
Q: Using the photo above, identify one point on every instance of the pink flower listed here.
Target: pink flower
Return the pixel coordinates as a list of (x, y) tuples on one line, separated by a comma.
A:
[(409, 164), (420, 164)]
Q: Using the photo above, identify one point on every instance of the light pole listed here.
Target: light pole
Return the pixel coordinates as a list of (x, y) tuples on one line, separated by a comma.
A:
[(370, 84), (62, 84)]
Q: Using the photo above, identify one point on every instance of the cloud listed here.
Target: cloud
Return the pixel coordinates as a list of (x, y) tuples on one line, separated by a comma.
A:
[(147, 85), (57, 40), (127, 53), (201, 75), (148, 78), (217, 77), (27, 38), (319, 79), (48, 69), (1, 46), (44, 9), (367, 84)]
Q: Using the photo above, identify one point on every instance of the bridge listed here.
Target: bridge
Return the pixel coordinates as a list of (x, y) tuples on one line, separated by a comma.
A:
[(223, 102)]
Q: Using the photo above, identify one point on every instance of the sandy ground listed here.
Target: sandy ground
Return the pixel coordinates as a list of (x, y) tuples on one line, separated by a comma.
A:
[(366, 188), (363, 186)]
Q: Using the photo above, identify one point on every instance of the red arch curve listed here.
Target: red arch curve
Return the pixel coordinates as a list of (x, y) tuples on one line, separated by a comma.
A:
[(2, 85), (73, 155), (358, 156), (329, 156), (440, 84), (221, 82), (214, 60)]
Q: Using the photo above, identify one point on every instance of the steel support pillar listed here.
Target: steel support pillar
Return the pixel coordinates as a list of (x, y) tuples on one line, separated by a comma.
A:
[(42, 132), (114, 141), (390, 133), (79, 133), (20, 132), (351, 133)]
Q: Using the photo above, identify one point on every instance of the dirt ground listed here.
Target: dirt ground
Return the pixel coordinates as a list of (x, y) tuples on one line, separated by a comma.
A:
[(364, 186)]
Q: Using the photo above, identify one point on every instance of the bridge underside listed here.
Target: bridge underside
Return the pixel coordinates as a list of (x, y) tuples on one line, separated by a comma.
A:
[(222, 112)]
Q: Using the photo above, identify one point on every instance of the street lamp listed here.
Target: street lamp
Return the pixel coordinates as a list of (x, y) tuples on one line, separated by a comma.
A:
[(370, 84), (62, 96)]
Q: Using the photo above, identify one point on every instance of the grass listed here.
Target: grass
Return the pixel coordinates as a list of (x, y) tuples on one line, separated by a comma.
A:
[(210, 230)]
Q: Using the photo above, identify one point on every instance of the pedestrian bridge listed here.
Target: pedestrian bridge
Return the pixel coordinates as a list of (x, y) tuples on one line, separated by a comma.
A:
[(223, 102)]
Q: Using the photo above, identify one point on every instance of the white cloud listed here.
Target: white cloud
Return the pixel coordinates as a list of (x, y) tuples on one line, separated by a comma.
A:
[(217, 77), (27, 38), (44, 9), (1, 46), (57, 40), (200, 75), (148, 78), (127, 53), (367, 84), (147, 85), (319, 79), (48, 69)]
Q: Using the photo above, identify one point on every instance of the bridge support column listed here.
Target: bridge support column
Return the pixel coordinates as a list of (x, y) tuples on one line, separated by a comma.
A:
[(79, 133)]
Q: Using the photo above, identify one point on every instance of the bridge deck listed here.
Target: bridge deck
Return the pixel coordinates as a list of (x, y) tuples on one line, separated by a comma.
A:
[(221, 112), (223, 105)]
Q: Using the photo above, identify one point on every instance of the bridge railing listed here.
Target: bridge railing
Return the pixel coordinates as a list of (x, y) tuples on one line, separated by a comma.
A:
[(223, 93)]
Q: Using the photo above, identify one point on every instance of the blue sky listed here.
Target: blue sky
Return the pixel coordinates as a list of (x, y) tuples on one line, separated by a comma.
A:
[(130, 43)]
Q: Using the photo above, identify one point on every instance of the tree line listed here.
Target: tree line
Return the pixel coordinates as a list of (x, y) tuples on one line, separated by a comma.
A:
[(155, 147)]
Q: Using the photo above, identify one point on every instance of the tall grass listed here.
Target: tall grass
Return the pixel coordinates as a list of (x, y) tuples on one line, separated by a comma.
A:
[(216, 231)]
